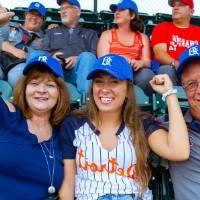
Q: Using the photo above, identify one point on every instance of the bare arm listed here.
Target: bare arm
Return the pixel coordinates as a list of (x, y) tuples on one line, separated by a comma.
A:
[(5, 15), (174, 144), (67, 189), (11, 107), (103, 46), (8, 47), (146, 58), (160, 52)]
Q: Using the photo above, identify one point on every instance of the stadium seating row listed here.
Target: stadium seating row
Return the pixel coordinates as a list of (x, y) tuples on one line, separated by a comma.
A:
[(102, 20)]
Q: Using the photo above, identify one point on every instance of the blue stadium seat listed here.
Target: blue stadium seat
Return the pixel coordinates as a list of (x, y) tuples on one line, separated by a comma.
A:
[(5, 90), (160, 106), (143, 101), (75, 95)]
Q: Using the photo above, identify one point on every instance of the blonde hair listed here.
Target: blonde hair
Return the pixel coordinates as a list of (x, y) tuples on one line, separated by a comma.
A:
[(131, 116), (62, 107)]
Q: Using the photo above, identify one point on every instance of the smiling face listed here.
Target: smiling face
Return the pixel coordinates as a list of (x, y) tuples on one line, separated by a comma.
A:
[(33, 21), (109, 93), (191, 83), (42, 94)]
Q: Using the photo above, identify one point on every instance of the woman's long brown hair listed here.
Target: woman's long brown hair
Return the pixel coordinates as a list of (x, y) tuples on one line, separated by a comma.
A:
[(131, 117)]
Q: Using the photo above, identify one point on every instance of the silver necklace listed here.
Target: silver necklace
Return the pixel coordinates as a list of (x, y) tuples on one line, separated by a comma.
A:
[(50, 150), (51, 188)]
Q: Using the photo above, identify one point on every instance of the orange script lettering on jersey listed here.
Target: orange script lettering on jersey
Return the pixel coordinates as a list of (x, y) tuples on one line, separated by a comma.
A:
[(129, 172)]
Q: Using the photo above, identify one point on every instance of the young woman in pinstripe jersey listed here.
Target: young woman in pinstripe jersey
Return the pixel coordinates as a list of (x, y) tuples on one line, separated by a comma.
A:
[(105, 146)]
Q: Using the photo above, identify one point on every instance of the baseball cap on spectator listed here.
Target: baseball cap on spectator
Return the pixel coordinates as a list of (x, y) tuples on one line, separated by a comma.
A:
[(187, 56), (44, 61), (115, 65), (189, 3), (38, 7), (72, 2), (124, 4)]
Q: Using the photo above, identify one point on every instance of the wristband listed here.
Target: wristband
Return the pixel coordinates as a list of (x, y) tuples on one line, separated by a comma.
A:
[(173, 63), (169, 92)]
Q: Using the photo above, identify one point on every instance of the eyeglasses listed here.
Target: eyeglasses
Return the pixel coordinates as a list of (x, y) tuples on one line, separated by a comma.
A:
[(191, 85), (64, 8)]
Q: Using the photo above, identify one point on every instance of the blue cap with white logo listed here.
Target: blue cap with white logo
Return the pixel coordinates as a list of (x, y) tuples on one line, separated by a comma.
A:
[(115, 65), (124, 4), (72, 2), (44, 61), (38, 7), (187, 56)]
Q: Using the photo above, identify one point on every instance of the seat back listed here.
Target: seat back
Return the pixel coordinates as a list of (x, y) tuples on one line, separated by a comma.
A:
[(74, 94), (5, 90), (143, 101)]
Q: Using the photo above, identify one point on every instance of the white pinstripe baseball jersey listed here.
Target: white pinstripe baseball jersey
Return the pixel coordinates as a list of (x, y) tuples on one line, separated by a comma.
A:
[(100, 171)]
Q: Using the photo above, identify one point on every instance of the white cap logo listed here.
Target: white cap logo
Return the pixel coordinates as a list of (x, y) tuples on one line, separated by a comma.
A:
[(43, 58), (37, 5), (107, 61), (193, 51)]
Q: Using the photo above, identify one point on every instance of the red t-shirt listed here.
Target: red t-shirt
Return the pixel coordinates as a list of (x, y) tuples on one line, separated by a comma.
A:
[(177, 39)]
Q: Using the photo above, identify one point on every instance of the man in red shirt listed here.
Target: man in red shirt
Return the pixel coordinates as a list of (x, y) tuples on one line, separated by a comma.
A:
[(170, 39)]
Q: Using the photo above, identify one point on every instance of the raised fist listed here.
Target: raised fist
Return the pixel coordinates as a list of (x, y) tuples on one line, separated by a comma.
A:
[(5, 15)]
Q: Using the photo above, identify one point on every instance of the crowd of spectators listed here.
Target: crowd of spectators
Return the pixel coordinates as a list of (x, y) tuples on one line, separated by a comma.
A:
[(75, 54)]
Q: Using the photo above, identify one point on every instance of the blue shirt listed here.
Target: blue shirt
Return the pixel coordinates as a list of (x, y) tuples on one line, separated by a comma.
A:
[(16, 34), (23, 169)]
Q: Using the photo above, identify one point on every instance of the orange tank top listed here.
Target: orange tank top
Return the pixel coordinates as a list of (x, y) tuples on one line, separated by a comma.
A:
[(133, 51)]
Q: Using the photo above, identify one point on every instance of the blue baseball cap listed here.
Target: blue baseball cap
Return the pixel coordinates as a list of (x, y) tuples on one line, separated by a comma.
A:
[(115, 65), (38, 7), (188, 55), (72, 2), (45, 61), (124, 4)]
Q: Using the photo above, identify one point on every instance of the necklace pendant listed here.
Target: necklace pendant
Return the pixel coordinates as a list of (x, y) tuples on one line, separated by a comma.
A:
[(50, 156), (51, 189)]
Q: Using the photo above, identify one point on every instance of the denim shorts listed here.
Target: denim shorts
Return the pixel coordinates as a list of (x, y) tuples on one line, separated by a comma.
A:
[(117, 197)]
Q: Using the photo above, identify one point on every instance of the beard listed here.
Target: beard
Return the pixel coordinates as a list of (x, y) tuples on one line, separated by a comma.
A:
[(66, 22)]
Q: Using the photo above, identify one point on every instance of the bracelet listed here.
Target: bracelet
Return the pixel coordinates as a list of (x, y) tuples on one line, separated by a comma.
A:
[(169, 92), (173, 63)]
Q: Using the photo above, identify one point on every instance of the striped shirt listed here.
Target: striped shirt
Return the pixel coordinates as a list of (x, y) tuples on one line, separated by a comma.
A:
[(133, 51), (100, 171)]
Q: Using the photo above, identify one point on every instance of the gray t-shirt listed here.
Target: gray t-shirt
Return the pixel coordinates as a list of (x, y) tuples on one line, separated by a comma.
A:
[(186, 174)]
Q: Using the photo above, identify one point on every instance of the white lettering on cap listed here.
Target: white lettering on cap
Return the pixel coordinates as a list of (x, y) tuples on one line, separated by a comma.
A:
[(37, 5), (193, 51), (43, 58), (107, 61)]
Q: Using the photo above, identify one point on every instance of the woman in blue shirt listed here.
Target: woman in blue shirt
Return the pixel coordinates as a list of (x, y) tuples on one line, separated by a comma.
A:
[(31, 165)]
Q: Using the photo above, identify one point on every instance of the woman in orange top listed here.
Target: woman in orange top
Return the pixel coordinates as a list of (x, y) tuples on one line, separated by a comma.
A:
[(126, 40)]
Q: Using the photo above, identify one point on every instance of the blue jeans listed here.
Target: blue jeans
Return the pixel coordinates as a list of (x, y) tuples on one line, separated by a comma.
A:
[(167, 69), (79, 73), (142, 78), (117, 197), (15, 74)]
